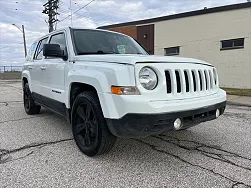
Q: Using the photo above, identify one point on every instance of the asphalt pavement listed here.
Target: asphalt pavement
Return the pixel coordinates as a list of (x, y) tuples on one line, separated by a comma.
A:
[(38, 151)]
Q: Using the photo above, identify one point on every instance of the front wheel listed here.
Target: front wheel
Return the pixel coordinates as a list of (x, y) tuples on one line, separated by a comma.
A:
[(29, 104), (89, 127)]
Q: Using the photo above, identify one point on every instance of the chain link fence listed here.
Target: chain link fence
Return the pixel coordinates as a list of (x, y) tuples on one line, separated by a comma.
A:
[(10, 69)]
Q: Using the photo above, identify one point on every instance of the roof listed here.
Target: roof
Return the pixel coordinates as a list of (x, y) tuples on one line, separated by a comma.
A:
[(182, 15)]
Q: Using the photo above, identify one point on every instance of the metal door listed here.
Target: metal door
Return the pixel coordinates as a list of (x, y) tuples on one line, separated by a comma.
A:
[(145, 36)]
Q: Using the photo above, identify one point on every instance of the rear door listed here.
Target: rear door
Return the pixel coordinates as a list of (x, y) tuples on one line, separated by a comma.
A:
[(29, 63), (37, 69)]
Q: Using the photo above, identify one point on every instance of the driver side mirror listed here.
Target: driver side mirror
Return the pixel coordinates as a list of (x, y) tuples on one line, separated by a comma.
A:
[(53, 50)]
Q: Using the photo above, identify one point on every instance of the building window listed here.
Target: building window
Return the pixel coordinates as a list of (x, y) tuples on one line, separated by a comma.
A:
[(232, 44), (172, 51)]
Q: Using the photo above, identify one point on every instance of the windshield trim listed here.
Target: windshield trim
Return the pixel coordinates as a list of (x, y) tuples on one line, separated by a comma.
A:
[(74, 42)]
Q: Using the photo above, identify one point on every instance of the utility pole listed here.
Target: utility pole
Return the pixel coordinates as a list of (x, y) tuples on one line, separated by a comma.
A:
[(25, 49), (71, 11), (22, 30), (50, 8)]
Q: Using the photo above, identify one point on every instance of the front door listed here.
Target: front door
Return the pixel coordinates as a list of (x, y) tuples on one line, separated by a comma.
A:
[(54, 76), (145, 36)]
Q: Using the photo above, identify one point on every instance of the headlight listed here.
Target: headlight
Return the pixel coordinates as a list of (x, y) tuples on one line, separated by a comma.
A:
[(148, 78)]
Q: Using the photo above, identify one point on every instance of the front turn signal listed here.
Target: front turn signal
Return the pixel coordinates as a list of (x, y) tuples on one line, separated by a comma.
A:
[(124, 90)]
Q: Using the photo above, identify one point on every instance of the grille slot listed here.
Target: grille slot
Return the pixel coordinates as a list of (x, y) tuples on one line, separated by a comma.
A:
[(177, 75), (194, 81), (168, 82), (215, 76), (211, 79), (206, 79), (200, 77), (186, 80)]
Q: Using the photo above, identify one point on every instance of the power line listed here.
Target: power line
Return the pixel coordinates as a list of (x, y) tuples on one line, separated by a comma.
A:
[(17, 2), (77, 10), (63, 11), (17, 9), (96, 21)]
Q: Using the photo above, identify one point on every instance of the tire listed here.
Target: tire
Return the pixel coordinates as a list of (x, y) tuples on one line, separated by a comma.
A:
[(89, 127), (29, 104)]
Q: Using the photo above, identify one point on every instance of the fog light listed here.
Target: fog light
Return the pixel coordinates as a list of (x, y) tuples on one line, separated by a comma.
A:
[(177, 124), (217, 114)]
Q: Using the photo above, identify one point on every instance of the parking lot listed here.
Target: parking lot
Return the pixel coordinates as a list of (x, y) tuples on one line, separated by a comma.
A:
[(38, 151)]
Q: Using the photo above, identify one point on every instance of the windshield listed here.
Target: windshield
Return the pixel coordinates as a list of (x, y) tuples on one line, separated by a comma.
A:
[(102, 42)]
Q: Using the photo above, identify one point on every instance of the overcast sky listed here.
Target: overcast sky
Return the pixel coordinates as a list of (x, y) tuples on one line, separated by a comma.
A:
[(98, 13)]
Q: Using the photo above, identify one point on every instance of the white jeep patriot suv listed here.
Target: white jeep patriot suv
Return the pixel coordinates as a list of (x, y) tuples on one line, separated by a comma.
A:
[(108, 86)]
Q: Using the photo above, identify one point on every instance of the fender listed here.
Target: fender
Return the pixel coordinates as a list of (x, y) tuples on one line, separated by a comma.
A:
[(94, 78), (101, 78)]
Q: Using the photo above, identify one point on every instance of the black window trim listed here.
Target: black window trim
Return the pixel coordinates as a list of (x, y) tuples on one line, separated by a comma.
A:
[(61, 32), (38, 44), (233, 47), (171, 54), (73, 41)]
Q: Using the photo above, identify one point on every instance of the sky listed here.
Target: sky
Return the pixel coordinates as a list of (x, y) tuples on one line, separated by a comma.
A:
[(97, 13)]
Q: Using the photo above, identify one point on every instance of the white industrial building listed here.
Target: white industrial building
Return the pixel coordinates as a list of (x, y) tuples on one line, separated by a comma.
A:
[(220, 35)]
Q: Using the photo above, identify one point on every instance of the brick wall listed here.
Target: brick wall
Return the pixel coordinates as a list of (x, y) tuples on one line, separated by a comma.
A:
[(127, 30)]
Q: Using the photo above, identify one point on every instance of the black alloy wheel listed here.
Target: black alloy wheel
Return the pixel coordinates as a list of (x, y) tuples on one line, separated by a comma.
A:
[(29, 104), (89, 127), (86, 128)]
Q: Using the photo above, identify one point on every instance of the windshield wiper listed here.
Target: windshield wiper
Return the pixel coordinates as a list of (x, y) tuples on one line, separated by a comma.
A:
[(97, 52)]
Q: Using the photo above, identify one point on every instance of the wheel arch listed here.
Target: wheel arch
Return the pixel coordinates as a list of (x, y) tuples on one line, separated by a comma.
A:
[(26, 79), (76, 88)]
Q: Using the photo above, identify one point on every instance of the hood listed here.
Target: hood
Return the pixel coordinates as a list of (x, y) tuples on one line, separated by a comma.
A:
[(132, 59)]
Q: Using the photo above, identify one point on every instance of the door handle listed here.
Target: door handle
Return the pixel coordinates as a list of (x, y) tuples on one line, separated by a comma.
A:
[(30, 67), (43, 68)]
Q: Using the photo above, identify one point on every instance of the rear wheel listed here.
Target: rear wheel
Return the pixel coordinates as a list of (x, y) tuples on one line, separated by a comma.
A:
[(89, 127), (29, 104)]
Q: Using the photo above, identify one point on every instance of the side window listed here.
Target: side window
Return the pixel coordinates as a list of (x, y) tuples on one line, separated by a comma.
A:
[(39, 51), (31, 51), (59, 39)]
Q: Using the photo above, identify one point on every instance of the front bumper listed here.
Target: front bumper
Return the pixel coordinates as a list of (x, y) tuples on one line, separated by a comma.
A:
[(142, 125), (117, 106)]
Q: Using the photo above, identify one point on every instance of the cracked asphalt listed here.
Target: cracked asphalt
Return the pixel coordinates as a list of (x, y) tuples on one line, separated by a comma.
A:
[(38, 151)]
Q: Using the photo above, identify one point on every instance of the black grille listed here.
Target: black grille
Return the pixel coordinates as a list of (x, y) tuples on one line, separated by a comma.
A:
[(181, 81), (177, 74), (168, 82)]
